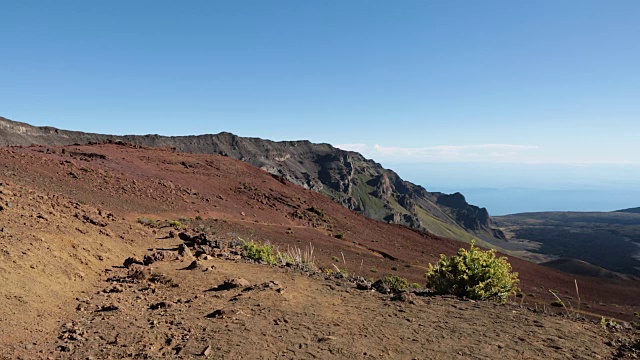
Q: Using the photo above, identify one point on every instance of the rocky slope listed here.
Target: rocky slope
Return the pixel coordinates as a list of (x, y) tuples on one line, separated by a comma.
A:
[(346, 177), (71, 217)]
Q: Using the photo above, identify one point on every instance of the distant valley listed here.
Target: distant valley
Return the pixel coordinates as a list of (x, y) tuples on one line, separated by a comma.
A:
[(608, 240)]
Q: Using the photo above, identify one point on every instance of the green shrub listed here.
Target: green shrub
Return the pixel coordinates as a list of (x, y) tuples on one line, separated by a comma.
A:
[(176, 224), (262, 253), (397, 283), (475, 274)]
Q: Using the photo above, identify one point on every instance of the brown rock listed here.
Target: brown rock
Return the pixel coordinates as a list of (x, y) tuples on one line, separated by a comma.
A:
[(183, 250), (193, 266), (236, 282), (131, 261), (207, 351), (218, 314)]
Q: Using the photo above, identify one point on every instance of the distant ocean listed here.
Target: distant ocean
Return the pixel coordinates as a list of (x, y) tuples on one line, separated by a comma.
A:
[(507, 200), (515, 188)]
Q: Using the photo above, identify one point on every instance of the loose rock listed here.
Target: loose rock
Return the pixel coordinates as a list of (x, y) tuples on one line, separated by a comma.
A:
[(206, 351), (193, 266), (218, 314), (183, 250), (131, 261)]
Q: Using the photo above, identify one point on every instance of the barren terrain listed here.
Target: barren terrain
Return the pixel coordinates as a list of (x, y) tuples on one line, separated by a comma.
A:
[(71, 215)]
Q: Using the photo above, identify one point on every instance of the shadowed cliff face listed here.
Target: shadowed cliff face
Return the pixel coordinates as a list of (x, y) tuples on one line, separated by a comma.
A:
[(347, 177)]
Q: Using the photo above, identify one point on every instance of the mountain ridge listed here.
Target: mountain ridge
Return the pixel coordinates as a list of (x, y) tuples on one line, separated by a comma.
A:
[(347, 177), (635, 210)]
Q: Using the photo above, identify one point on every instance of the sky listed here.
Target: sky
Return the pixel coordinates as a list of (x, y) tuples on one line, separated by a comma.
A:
[(495, 95)]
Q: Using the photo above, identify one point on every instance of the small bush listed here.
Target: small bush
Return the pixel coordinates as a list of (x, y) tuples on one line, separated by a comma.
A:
[(397, 283), (335, 259), (475, 274), (176, 224), (261, 253)]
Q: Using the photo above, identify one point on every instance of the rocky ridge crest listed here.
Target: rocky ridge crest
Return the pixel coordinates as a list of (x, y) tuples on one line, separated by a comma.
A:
[(347, 177)]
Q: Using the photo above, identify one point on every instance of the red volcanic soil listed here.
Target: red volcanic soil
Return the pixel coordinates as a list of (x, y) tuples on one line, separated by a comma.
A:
[(69, 216), (159, 183), (133, 182)]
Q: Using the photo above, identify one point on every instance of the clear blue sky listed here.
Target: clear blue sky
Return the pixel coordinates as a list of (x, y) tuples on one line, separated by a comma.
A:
[(419, 82)]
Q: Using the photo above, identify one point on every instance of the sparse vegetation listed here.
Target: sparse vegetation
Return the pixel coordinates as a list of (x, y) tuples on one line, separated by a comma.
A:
[(373, 270), (339, 236), (302, 259), (335, 259), (475, 274), (611, 323), (147, 222), (316, 211), (266, 253), (176, 224), (337, 271), (397, 283), (259, 252), (560, 303)]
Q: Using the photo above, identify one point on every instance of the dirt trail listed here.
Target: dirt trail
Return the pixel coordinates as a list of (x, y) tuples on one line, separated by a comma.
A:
[(279, 313)]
